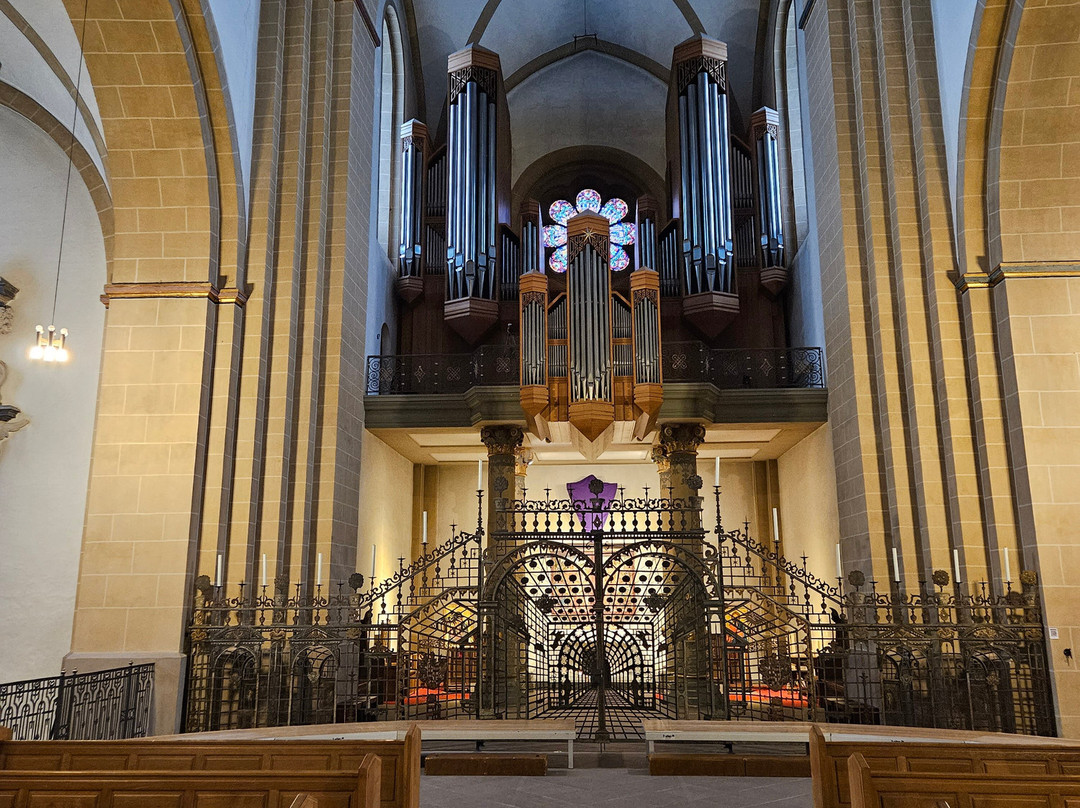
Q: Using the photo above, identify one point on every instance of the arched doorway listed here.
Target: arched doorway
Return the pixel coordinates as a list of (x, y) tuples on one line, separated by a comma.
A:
[(591, 615)]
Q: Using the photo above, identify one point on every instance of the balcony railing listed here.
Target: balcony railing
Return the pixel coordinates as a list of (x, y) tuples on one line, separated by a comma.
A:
[(497, 365), (435, 374), (736, 369), (100, 706)]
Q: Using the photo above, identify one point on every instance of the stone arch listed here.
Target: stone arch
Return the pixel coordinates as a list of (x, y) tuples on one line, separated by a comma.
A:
[(990, 55), (163, 111), (1034, 171)]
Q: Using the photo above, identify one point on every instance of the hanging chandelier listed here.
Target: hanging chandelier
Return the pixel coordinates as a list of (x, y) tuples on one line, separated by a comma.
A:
[(50, 344)]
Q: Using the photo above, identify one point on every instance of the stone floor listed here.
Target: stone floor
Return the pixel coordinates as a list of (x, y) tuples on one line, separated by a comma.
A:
[(613, 787)]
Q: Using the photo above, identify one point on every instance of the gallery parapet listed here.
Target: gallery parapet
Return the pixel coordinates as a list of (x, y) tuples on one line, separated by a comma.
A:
[(683, 362)]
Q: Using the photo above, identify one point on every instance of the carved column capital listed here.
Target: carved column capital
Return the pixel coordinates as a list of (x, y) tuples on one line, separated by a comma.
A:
[(681, 438), (660, 458), (502, 439)]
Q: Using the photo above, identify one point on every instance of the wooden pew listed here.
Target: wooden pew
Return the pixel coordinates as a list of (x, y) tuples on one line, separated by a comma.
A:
[(878, 789), (400, 760), (829, 760), (304, 801), (205, 789)]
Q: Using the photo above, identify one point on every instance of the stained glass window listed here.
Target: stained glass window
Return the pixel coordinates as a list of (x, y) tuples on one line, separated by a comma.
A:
[(589, 201)]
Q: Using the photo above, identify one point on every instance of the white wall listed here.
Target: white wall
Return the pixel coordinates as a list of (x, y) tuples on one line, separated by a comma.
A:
[(237, 24), (807, 475), (589, 99), (23, 67), (386, 508), (953, 20), (44, 467)]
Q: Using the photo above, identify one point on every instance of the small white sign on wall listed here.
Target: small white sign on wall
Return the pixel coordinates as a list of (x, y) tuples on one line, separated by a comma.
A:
[(1053, 633)]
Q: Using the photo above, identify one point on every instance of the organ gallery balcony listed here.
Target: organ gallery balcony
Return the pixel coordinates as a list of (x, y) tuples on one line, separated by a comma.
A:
[(714, 385)]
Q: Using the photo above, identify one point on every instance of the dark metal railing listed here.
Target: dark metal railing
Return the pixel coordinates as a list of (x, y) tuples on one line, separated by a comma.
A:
[(497, 365), (99, 706), (442, 373), (734, 368)]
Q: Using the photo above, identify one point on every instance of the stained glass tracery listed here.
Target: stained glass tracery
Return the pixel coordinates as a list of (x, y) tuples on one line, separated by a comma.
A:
[(589, 201)]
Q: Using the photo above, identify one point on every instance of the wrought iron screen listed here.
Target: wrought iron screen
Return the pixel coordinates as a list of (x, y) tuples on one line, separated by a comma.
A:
[(610, 611), (103, 705)]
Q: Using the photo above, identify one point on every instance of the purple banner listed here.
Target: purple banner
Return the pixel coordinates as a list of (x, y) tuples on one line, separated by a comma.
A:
[(595, 506)]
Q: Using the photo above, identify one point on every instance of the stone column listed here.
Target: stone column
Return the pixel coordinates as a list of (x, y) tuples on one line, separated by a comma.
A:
[(502, 442), (680, 443), (663, 468)]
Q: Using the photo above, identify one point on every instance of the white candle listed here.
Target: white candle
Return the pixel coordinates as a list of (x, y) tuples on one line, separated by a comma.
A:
[(956, 565), (318, 570), (716, 470), (839, 565), (479, 474), (373, 565), (896, 565), (264, 569), (217, 581), (425, 527), (775, 525), (1008, 569)]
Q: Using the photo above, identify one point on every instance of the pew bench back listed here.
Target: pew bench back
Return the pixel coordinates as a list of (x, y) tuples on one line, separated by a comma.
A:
[(878, 789), (192, 789), (829, 762), (399, 760)]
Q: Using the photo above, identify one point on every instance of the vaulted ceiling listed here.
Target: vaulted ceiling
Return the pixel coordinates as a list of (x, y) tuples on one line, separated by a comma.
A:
[(607, 90)]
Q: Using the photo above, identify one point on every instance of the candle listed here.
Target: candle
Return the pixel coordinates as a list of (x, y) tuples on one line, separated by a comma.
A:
[(839, 565), (775, 525), (264, 569), (479, 475), (716, 470), (425, 527), (1008, 570), (896, 565), (956, 565), (373, 565), (217, 580), (318, 570)]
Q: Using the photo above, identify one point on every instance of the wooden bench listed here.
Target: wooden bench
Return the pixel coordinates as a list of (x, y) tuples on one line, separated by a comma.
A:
[(879, 789), (399, 760), (481, 765), (829, 761), (205, 789), (706, 765), (479, 731)]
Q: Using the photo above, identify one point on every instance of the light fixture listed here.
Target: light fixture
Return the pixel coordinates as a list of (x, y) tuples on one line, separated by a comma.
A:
[(50, 346)]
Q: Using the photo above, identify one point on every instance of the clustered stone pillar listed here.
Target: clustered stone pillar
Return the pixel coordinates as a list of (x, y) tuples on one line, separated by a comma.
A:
[(503, 442), (680, 443)]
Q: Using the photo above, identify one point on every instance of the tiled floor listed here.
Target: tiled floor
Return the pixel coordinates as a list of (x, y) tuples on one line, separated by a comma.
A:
[(623, 720), (613, 787)]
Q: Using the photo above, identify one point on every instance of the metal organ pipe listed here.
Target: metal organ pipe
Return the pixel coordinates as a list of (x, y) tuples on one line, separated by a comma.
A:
[(706, 205), (471, 187), (410, 243), (765, 125)]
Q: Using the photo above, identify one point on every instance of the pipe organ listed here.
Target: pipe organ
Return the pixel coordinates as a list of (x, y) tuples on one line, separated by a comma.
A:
[(414, 148), (588, 291), (765, 126), (589, 333), (699, 97), (473, 113)]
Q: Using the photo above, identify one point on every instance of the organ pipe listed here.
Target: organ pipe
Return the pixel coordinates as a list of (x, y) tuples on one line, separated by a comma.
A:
[(588, 284), (705, 172), (533, 300), (532, 250), (645, 248), (414, 147), (706, 238), (475, 100), (471, 188), (765, 124), (648, 391)]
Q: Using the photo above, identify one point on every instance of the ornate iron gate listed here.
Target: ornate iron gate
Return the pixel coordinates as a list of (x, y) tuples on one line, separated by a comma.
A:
[(611, 610)]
